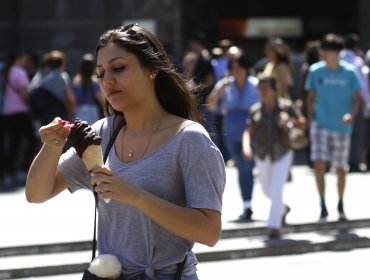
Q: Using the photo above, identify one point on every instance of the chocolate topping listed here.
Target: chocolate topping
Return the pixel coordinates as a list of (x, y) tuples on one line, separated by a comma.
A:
[(83, 136)]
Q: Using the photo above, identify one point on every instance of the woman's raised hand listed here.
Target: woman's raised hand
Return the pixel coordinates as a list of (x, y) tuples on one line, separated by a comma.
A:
[(55, 133)]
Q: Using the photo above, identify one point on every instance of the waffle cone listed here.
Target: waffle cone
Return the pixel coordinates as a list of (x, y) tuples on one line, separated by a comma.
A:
[(93, 156)]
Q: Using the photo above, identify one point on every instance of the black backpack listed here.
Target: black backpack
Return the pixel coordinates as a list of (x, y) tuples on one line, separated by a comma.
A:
[(45, 106)]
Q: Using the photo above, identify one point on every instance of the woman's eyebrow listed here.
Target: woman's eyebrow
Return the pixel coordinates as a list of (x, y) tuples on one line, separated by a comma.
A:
[(111, 60)]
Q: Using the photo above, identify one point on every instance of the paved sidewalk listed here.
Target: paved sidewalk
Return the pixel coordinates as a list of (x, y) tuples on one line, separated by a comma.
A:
[(323, 265), (301, 195), (69, 217)]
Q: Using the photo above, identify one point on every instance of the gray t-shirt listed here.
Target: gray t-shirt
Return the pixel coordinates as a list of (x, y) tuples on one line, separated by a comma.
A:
[(187, 170)]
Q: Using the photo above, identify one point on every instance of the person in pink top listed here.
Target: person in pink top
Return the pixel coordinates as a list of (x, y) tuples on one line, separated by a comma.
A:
[(20, 134)]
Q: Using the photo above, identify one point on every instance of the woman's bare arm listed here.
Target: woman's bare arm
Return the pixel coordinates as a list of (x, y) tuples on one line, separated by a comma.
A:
[(44, 181)]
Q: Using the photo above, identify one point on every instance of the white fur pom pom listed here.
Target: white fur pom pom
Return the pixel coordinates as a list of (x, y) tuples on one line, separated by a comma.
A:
[(106, 266)]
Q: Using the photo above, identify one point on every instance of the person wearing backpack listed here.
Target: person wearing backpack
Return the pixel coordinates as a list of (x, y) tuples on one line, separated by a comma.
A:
[(51, 92)]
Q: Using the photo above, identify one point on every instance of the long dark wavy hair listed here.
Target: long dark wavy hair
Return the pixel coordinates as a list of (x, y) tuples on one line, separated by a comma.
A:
[(175, 92)]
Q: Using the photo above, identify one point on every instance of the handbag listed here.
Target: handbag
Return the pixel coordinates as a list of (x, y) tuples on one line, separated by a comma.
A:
[(87, 274), (297, 138)]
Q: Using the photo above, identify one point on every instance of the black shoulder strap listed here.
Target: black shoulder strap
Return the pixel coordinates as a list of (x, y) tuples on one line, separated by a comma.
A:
[(112, 139), (106, 153), (180, 269)]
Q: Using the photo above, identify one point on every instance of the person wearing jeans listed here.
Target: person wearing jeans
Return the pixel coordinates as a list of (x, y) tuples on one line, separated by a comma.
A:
[(245, 176), (237, 93)]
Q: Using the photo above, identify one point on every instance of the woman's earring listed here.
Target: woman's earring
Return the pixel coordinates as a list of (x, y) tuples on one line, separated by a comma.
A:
[(152, 75)]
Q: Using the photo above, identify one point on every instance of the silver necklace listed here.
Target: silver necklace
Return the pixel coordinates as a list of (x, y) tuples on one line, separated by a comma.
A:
[(131, 152)]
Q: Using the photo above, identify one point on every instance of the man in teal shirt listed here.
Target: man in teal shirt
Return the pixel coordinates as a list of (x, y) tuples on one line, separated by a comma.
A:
[(332, 103)]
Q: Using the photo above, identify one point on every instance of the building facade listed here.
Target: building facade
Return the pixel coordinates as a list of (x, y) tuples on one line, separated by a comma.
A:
[(74, 26)]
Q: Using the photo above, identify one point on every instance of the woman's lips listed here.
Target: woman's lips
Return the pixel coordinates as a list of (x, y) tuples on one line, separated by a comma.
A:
[(112, 92)]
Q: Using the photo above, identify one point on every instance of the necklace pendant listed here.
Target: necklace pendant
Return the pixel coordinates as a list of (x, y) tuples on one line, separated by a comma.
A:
[(131, 153)]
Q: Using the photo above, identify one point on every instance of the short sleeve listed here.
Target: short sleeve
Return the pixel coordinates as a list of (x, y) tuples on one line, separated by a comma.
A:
[(249, 122), (308, 85), (19, 78), (74, 171), (205, 181)]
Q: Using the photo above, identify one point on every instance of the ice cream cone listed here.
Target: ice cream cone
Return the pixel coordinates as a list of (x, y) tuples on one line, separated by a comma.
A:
[(93, 156), (87, 145)]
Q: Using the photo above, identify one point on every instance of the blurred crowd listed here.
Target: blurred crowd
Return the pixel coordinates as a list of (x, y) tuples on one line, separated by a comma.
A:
[(34, 90), (231, 88)]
